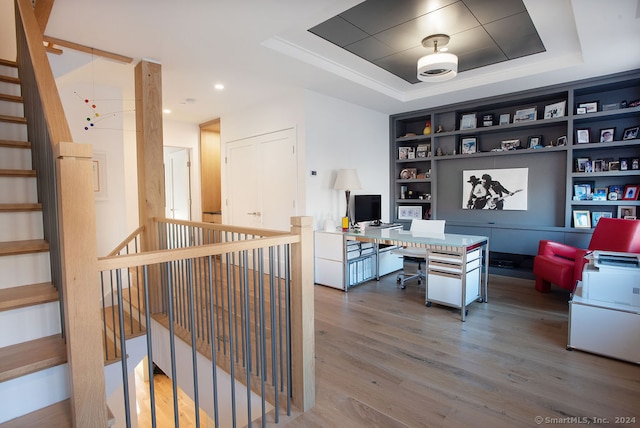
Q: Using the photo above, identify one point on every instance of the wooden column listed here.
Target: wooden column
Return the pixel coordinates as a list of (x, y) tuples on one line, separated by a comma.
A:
[(303, 351), (79, 256), (149, 148)]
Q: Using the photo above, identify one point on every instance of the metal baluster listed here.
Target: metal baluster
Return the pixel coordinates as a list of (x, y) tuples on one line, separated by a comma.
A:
[(214, 364), (194, 343)]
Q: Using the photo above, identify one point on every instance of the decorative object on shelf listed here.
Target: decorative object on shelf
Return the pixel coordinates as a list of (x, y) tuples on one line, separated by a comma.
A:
[(590, 107), (469, 145), (439, 129), (555, 110), (347, 180), (635, 163), (582, 135), (609, 107), (495, 189), (634, 103), (423, 151), (525, 115), (427, 128), (505, 119), (403, 152), (623, 104), (630, 192), (630, 133), (438, 66), (627, 212), (468, 121), (615, 192), (562, 141), (439, 152), (510, 144), (581, 110), (597, 215), (580, 164), (581, 219), (607, 134), (582, 192), (408, 173), (535, 142), (600, 194), (409, 212), (487, 119), (403, 192)]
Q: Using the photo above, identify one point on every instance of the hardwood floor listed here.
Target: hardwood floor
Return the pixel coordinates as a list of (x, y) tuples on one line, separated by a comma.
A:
[(383, 359)]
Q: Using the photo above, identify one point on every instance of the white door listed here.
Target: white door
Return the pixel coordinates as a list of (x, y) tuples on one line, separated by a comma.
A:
[(262, 181), (177, 183)]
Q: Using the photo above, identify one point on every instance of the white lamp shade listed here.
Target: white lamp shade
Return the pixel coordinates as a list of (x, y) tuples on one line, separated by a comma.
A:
[(347, 179), (437, 67)]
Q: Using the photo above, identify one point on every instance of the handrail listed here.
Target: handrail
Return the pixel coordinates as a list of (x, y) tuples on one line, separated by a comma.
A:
[(126, 241)]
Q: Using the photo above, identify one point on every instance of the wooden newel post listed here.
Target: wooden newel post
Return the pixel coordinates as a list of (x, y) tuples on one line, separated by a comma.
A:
[(81, 287), (302, 316)]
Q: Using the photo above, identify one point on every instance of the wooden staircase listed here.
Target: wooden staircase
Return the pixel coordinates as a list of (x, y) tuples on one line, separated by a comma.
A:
[(30, 351)]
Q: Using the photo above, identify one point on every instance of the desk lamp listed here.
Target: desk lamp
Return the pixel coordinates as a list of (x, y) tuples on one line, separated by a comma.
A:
[(347, 180)]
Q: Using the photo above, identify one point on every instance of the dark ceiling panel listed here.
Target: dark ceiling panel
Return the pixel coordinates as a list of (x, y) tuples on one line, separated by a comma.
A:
[(491, 10), (516, 36), (389, 33), (338, 31)]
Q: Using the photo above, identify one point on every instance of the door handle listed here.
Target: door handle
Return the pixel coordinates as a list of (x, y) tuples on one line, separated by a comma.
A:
[(255, 213)]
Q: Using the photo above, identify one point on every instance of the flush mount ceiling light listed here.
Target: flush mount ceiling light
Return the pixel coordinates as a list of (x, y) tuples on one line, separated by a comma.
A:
[(438, 66)]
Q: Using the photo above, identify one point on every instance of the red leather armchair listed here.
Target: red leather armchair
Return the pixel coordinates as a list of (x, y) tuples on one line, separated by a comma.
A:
[(562, 264)]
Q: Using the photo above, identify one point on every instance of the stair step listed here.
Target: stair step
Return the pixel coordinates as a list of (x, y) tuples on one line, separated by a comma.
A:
[(7, 208), (29, 357), (8, 63), (57, 415), (23, 247), (10, 79), (27, 295), (13, 119), (11, 98), (15, 144), (17, 172)]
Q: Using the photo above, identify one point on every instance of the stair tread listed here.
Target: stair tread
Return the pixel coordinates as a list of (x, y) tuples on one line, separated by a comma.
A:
[(13, 119), (8, 63), (20, 207), (27, 295), (23, 247), (57, 415), (9, 79), (15, 144), (29, 357), (11, 98), (18, 172)]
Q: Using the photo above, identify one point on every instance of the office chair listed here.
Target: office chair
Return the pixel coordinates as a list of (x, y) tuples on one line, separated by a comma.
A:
[(434, 228)]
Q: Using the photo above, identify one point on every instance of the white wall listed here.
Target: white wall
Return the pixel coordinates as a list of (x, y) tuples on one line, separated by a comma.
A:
[(331, 134), (343, 135)]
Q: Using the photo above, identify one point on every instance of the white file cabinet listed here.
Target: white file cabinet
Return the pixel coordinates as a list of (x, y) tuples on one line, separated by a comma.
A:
[(342, 263), (445, 274)]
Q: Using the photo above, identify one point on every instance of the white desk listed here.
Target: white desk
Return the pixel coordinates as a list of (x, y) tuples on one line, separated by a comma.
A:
[(448, 255)]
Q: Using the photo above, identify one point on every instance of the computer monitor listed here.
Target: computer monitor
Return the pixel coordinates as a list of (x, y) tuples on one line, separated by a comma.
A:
[(367, 208)]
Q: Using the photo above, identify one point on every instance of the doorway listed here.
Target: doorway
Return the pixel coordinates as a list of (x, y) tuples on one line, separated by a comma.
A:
[(177, 182)]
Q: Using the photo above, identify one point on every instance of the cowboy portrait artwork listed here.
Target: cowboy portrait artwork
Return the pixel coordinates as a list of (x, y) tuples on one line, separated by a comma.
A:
[(495, 189)]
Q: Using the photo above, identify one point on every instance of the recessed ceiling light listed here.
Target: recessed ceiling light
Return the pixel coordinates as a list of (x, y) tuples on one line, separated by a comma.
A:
[(167, 111), (219, 86)]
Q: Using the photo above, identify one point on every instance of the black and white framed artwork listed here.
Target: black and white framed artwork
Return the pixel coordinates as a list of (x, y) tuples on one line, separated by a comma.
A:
[(495, 189)]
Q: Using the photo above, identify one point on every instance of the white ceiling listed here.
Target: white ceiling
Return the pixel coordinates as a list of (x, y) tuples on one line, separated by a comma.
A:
[(260, 49)]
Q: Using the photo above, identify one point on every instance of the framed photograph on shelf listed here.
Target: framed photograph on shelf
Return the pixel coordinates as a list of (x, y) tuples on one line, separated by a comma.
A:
[(535, 142), (468, 121), (627, 212), (590, 107), (469, 145), (615, 192), (487, 119), (614, 165), (600, 194), (581, 110), (581, 164), (555, 110), (403, 153), (505, 119), (630, 133), (635, 163), (624, 164), (525, 115), (582, 135), (597, 215), (510, 144), (607, 134), (409, 212), (630, 192), (562, 141), (408, 173), (581, 219)]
